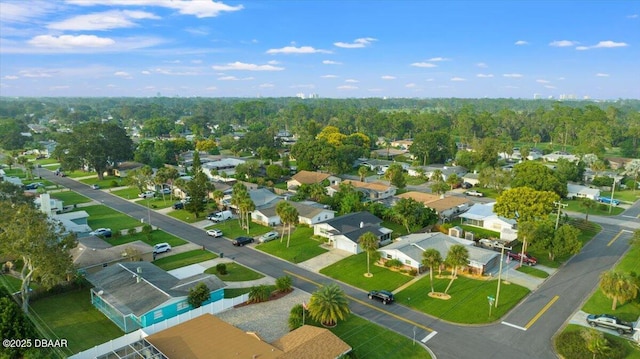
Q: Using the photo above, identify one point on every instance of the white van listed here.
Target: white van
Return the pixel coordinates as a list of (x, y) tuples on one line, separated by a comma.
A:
[(221, 216)]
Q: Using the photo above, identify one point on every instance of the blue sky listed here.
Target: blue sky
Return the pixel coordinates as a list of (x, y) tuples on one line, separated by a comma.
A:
[(335, 49)]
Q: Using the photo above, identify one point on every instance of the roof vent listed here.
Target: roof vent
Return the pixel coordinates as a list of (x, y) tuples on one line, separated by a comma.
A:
[(361, 224)]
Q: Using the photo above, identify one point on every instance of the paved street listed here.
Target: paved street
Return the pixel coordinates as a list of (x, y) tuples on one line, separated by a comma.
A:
[(530, 326)]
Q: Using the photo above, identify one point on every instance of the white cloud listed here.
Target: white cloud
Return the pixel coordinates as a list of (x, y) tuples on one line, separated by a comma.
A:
[(560, 78), (11, 77), (563, 43), (114, 19), (512, 75), (437, 59), (430, 80), (521, 42), (145, 72), (423, 64), (549, 87), (196, 62), (211, 88), (542, 81), (329, 76), (608, 44), (199, 9), (347, 87), (273, 62), (298, 50), (411, 85), (228, 78), (352, 81), (123, 74), (582, 48), (458, 79), (634, 16), (198, 31), (600, 74), (70, 41), (60, 87), (25, 11), (331, 62), (482, 65), (375, 90), (36, 73), (266, 85), (241, 66), (173, 61), (175, 73), (388, 77), (484, 75), (357, 43)]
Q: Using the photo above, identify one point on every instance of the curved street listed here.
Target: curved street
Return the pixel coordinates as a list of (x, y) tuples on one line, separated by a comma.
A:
[(525, 332)]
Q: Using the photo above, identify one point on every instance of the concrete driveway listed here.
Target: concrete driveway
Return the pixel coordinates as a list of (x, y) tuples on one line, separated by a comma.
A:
[(316, 263)]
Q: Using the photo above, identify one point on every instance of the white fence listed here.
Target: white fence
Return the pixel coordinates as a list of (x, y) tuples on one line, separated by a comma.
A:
[(115, 344)]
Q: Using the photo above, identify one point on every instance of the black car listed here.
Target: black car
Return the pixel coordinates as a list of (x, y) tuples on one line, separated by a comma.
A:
[(178, 205), (383, 295), (466, 185), (241, 241)]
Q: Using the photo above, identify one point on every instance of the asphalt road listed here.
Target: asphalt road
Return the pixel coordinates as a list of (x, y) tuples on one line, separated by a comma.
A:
[(531, 325)]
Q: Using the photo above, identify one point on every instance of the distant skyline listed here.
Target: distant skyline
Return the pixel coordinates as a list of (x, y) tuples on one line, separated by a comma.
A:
[(333, 49)]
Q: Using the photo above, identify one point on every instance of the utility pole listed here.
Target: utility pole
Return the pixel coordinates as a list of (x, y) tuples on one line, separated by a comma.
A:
[(502, 248), (559, 205), (615, 179)]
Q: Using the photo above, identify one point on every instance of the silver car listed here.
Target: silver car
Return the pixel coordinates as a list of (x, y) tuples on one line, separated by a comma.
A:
[(269, 236)]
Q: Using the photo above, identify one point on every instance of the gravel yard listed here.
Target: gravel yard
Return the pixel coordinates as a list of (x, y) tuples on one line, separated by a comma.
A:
[(268, 319)]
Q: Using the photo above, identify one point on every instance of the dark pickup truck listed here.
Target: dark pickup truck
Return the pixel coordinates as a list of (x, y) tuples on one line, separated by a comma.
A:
[(611, 322), (526, 258)]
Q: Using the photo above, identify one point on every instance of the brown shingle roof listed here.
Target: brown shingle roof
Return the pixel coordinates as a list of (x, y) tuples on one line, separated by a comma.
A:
[(311, 342), (308, 177), (435, 202), (368, 185), (420, 196)]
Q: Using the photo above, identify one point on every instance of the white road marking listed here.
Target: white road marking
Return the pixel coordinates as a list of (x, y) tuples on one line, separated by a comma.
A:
[(514, 326), (431, 335)]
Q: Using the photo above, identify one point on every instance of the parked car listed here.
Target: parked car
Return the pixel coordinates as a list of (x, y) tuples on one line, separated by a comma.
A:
[(221, 216), (33, 185), (611, 322), (384, 296), (269, 236), (161, 248), (214, 233), (147, 194), (104, 232), (212, 215), (165, 191), (607, 200), (526, 259), (466, 185), (95, 186), (474, 193), (241, 241), (178, 205)]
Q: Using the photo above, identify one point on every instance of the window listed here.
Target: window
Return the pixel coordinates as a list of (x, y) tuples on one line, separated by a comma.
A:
[(183, 305), (157, 314), (389, 256), (407, 262)]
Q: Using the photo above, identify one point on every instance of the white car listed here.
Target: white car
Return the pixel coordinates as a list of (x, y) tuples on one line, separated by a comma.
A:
[(269, 236), (105, 232), (214, 233), (165, 191), (161, 248), (147, 194)]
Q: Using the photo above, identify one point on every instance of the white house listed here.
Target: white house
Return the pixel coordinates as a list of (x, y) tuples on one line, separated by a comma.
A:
[(429, 169), (555, 156), (224, 165), (408, 250), (343, 232), (372, 191), (579, 191), (481, 215), (308, 214), (49, 206)]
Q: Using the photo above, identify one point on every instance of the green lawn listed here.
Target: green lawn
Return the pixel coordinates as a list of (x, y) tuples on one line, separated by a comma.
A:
[(398, 229), (301, 246), (477, 231), (71, 316), (468, 303), (187, 216), (78, 173), (414, 181), (629, 311), (601, 209), (533, 271), (231, 228), (70, 197), (372, 341), (102, 216), (352, 269), (14, 172), (627, 195), (184, 259), (157, 236), (126, 193), (10, 282), (236, 292), (235, 273)]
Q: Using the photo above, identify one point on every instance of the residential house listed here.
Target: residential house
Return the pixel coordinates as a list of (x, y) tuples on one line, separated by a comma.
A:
[(49, 206), (92, 253), (309, 213), (309, 177), (387, 153), (207, 336), (430, 169), (579, 191), (76, 222), (379, 165), (222, 168), (408, 250), (445, 207), (123, 168), (343, 232), (555, 156), (481, 215), (617, 163), (372, 191), (13, 180), (138, 294), (402, 144), (472, 178)]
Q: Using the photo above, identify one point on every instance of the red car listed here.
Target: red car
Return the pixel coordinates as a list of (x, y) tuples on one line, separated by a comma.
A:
[(527, 259)]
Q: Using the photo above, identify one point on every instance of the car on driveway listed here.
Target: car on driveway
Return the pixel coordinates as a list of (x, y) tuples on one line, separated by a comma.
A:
[(611, 322), (165, 191), (269, 236), (34, 185), (526, 258), (241, 241), (384, 296), (214, 233), (474, 193), (147, 194), (178, 205), (212, 215), (103, 232), (161, 248), (95, 186)]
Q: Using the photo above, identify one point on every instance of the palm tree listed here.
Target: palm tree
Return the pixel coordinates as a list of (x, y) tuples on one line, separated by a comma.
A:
[(328, 305), (436, 176), (362, 172), (452, 180), (618, 286), (457, 256), (587, 204), (431, 258), (217, 195), (597, 344), (281, 210), (291, 216), (369, 243)]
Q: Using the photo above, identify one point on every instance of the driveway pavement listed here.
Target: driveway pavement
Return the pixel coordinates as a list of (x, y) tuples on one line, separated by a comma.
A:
[(325, 259)]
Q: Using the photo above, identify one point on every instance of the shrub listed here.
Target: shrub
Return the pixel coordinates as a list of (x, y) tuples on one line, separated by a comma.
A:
[(393, 263), (131, 231), (413, 272), (259, 293), (296, 317), (198, 295), (572, 345), (116, 234), (284, 284), (221, 268), (114, 184)]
